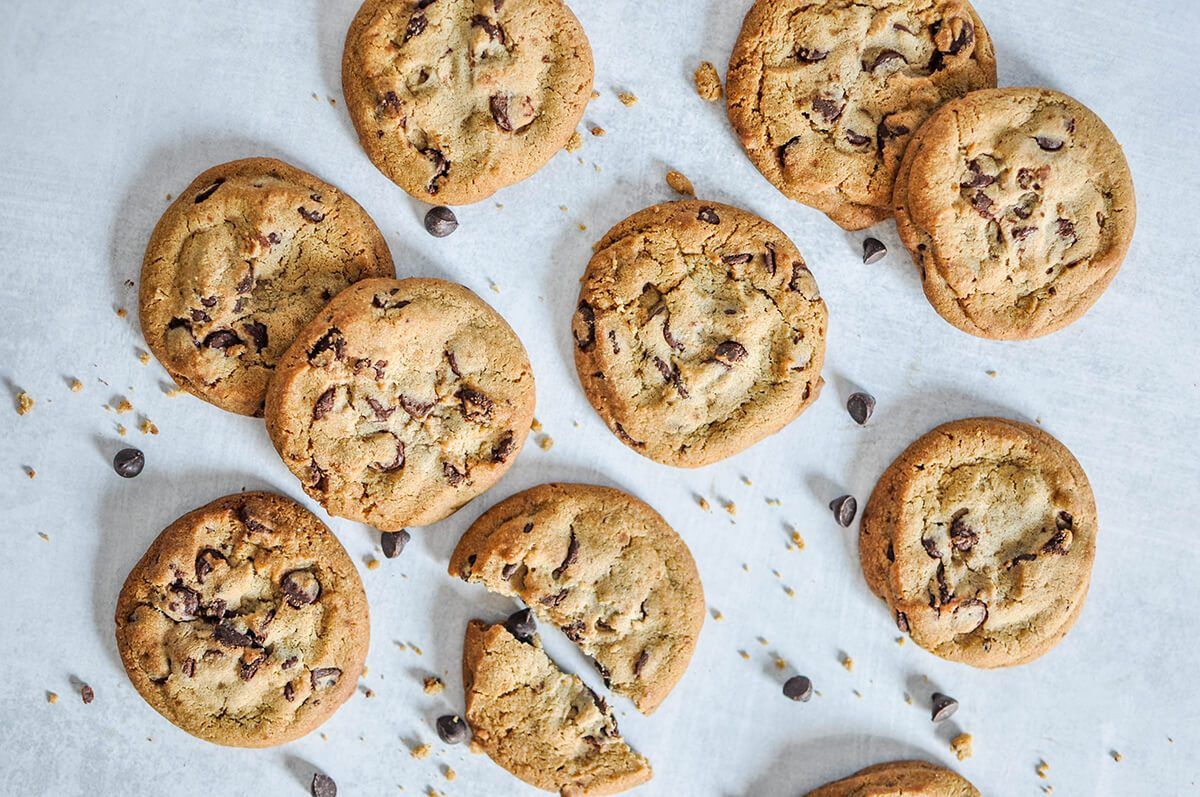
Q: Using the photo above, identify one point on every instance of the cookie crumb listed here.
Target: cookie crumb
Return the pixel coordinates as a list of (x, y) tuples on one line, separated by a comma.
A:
[(703, 502), (495, 288), (774, 502), (24, 403), (1042, 768), (582, 227), (780, 663), (680, 184), (908, 698), (1048, 789), (598, 131), (51, 697), (992, 374), (76, 386), (791, 593), (574, 142), (961, 746), (44, 536), (121, 312), (708, 82), (797, 540), (372, 564), (746, 481), (416, 649), (595, 95), (546, 442), (627, 98), (30, 472), (762, 640), (143, 357), (121, 430), (434, 685), (1115, 756), (421, 751), (731, 507), (848, 663), (368, 692), (332, 102), (900, 641), (124, 406), (147, 427), (535, 426), (172, 392), (716, 615), (449, 773), (744, 655)]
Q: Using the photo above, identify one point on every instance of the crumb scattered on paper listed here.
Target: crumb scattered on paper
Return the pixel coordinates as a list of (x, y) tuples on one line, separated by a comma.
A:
[(708, 82), (680, 184), (961, 746)]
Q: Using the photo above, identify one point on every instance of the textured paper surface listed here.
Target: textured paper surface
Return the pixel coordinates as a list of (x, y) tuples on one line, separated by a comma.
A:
[(105, 108)]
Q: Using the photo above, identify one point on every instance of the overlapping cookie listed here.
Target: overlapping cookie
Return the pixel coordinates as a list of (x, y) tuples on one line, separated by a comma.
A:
[(900, 779)]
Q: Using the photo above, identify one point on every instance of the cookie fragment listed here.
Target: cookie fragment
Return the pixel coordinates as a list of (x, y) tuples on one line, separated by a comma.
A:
[(708, 82), (908, 778)]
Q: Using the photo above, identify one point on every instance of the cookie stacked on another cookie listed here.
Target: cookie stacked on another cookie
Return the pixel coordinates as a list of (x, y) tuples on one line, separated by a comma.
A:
[(455, 99), (239, 263), (401, 401), (900, 779), (980, 537), (1018, 206), (544, 726), (826, 95), (699, 331), (245, 622), (604, 568)]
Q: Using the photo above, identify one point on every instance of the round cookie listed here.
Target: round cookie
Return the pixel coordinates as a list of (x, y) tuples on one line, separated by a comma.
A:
[(247, 255), (1018, 206), (245, 622), (603, 567), (401, 401), (900, 779), (980, 537), (544, 726), (699, 332), (825, 95), (456, 99)]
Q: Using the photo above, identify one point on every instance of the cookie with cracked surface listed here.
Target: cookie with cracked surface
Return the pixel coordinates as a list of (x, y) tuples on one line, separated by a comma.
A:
[(980, 537), (456, 99), (544, 726), (825, 95), (699, 331), (401, 401), (1018, 206), (603, 567), (245, 257), (900, 779), (245, 622)]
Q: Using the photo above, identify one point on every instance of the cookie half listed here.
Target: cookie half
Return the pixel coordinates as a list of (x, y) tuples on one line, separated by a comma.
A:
[(456, 99), (245, 257), (542, 725), (245, 622), (900, 779), (825, 95), (603, 567), (401, 401), (1018, 206), (699, 331), (981, 537)]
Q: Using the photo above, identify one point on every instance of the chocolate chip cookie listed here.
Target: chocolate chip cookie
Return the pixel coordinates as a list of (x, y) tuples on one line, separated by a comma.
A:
[(245, 623), (455, 99), (603, 567), (900, 779), (980, 537), (544, 726), (401, 401), (1018, 206), (245, 257), (825, 95), (699, 332)]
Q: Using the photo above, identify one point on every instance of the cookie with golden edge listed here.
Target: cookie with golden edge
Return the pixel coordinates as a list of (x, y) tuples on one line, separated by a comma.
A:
[(900, 779)]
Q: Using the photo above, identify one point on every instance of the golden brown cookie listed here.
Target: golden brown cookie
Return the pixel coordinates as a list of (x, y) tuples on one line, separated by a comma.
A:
[(401, 401), (699, 331), (245, 622), (1018, 206), (542, 725), (245, 257), (825, 95), (603, 567), (900, 779), (980, 537), (455, 99)]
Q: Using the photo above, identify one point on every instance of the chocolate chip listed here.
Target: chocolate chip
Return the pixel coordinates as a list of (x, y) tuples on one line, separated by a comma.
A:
[(568, 560), (451, 729), (671, 340), (498, 105), (1064, 520), (737, 260), (207, 192), (389, 105), (440, 221), (1021, 233), (300, 588), (503, 449), (902, 622), (323, 785), (324, 403), (828, 108), (768, 259), (452, 474), (884, 58), (257, 331), (931, 549), (491, 28), (1021, 558), (509, 570), (222, 339), (289, 691), (227, 635), (555, 599), (1065, 228), (944, 707), (397, 461), (844, 509), (248, 669), (380, 412), (1057, 544), (128, 462), (416, 24), (708, 216), (521, 625), (860, 406), (87, 693), (475, 405), (386, 301), (199, 316), (806, 55), (857, 139), (332, 341), (799, 688), (311, 215), (963, 34), (441, 167), (642, 658), (393, 542), (417, 409), (962, 537), (982, 204), (584, 327), (604, 673), (324, 677), (1049, 144), (188, 667), (574, 631), (730, 352), (206, 561), (874, 250), (798, 272)]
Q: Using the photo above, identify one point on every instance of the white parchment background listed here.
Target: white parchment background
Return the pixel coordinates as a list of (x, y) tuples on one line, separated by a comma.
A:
[(105, 108)]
